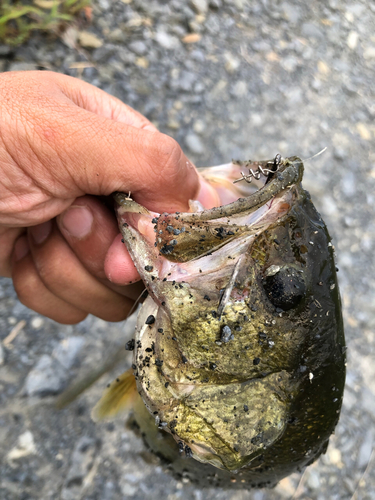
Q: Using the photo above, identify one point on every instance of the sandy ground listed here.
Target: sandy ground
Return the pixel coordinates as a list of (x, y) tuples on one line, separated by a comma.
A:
[(258, 79)]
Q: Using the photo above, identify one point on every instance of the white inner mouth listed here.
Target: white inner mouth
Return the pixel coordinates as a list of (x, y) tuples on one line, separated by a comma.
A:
[(219, 258)]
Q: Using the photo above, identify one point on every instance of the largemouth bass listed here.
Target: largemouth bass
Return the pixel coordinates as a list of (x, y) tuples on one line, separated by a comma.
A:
[(239, 354)]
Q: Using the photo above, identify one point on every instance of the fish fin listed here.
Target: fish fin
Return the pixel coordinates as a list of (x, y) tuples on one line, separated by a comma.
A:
[(118, 397)]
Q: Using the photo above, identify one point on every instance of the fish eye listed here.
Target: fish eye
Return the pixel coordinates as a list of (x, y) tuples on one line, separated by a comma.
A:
[(284, 286)]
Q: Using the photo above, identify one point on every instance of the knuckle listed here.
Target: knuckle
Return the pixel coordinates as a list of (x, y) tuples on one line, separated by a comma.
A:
[(25, 283), (49, 270), (168, 154)]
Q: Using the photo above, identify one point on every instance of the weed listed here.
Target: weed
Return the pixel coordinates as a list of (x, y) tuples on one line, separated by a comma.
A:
[(19, 18)]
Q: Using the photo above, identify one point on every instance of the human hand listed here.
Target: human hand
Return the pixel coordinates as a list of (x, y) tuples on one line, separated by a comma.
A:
[(61, 140)]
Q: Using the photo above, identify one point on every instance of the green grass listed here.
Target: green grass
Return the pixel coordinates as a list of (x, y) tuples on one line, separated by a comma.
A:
[(19, 18)]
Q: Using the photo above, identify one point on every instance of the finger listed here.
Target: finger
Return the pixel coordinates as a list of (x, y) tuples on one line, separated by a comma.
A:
[(73, 151), (97, 101), (8, 237), (33, 293), (64, 275), (119, 267), (90, 229)]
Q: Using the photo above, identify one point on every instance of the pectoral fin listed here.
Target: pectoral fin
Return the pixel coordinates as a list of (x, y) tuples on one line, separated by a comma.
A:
[(118, 397)]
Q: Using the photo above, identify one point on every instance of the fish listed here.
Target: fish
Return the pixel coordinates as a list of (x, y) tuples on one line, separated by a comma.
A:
[(239, 352)]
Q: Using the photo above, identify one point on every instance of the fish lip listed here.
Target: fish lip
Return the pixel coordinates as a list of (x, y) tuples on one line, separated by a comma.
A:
[(290, 174)]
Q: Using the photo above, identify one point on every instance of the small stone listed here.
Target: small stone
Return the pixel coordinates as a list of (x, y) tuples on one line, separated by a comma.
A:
[(334, 4), (173, 124), (369, 53), (198, 55), (37, 323), (313, 478), (239, 89), (323, 68), (25, 446), (289, 63), (232, 63), (184, 81), (329, 205), (352, 40), (47, 377), (166, 40), (199, 126), (194, 143), (83, 460), (339, 153), (89, 40), (117, 36), (334, 456), (200, 6), (127, 489), (363, 131), (310, 30), (142, 62), (349, 184), (239, 4), (104, 4), (67, 351), (292, 13), (191, 38), (138, 47)]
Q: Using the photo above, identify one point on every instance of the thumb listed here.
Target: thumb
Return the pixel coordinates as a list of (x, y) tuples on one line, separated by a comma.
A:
[(150, 165), (65, 138), (91, 143)]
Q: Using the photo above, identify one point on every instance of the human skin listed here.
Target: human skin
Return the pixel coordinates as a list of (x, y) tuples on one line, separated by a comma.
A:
[(64, 145)]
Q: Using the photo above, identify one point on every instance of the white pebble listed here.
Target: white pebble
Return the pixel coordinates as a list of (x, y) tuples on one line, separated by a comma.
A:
[(25, 446), (37, 322), (352, 40)]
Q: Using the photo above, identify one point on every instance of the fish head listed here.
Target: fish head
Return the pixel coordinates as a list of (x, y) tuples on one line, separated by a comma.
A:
[(239, 345)]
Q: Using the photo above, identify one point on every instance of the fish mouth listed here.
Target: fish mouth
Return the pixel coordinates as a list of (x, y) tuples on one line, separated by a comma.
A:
[(224, 231)]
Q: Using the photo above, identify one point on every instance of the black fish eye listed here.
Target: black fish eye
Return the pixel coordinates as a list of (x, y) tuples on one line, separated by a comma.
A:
[(284, 286)]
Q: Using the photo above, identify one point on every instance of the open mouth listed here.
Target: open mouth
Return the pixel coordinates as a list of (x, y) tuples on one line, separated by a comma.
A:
[(203, 241)]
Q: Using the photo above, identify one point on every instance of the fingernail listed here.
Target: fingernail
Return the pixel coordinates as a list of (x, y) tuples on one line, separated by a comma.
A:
[(41, 232), (21, 248), (208, 195), (77, 221)]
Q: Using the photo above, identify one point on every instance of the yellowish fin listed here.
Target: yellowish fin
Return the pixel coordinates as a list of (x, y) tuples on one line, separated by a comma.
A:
[(118, 398)]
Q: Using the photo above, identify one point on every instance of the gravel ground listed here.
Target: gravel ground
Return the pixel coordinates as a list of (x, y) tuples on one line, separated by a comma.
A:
[(256, 79)]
